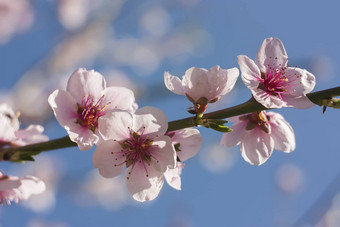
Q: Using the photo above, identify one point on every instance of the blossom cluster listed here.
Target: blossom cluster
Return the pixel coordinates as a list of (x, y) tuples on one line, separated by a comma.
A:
[(13, 188), (137, 141)]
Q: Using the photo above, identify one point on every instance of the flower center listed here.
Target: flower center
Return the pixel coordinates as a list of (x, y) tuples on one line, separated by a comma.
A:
[(89, 112), (257, 119), (276, 80), (138, 149)]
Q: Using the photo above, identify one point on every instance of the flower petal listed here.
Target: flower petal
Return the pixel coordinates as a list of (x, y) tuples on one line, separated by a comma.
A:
[(298, 102), (64, 107), (302, 81), (250, 73), (234, 137), (119, 98), (108, 159), (190, 141), (271, 53), (143, 187), (31, 185), (173, 176), (165, 153), (256, 146), (84, 137), (268, 100), (32, 134), (83, 83), (282, 133), (196, 83), (151, 120), (221, 81), (173, 83), (115, 125)]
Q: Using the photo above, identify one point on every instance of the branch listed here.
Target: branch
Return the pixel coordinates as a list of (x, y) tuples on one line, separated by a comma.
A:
[(321, 98)]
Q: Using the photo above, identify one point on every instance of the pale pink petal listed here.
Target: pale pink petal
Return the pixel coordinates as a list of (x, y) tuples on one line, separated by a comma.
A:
[(282, 133), (108, 159), (84, 137), (301, 81), (141, 185), (190, 141), (173, 83), (221, 81), (31, 185), (271, 53), (256, 146), (32, 134), (115, 125), (119, 98), (268, 100), (233, 138), (196, 83), (298, 102), (173, 176), (250, 73), (64, 107), (151, 120), (9, 183), (165, 153), (7, 130), (83, 83), (8, 112)]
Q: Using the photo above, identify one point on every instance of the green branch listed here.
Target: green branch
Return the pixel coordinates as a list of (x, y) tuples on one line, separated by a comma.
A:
[(321, 98)]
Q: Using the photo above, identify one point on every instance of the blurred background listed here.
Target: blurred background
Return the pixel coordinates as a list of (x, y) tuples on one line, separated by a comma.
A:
[(132, 43)]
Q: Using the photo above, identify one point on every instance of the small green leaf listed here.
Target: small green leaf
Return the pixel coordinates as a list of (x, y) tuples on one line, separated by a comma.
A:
[(21, 156), (177, 145)]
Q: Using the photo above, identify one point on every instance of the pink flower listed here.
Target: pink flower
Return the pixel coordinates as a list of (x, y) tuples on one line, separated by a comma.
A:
[(258, 134), (138, 143), (187, 143), (11, 135), (272, 82), (202, 86), (15, 188), (86, 100), (15, 16)]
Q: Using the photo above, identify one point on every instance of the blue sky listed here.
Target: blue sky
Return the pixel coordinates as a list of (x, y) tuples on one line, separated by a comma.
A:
[(206, 33)]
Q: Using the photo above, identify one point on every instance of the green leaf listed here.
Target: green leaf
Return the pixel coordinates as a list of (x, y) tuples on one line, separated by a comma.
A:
[(22, 156)]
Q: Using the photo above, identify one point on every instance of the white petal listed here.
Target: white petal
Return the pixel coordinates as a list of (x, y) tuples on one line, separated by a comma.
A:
[(271, 53), (250, 73), (196, 83), (298, 102), (84, 137), (119, 98), (32, 134), (64, 107), (256, 146), (83, 83), (234, 137), (282, 133), (31, 185), (221, 81), (151, 120), (142, 185), (268, 100), (173, 83), (165, 153), (190, 141), (173, 176), (115, 125), (300, 80), (108, 159)]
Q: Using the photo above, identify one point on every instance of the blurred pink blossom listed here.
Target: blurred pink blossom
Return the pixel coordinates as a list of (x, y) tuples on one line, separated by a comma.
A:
[(15, 16), (14, 188)]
